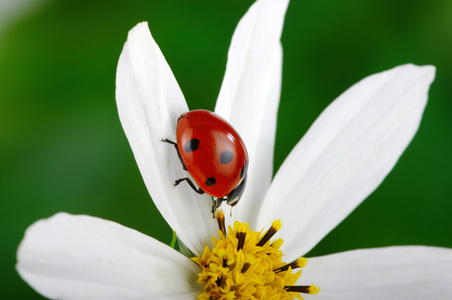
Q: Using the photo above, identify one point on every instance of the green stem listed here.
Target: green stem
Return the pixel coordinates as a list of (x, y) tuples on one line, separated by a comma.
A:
[(173, 240)]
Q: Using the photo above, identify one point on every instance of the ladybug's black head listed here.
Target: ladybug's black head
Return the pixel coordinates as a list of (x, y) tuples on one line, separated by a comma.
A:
[(233, 197)]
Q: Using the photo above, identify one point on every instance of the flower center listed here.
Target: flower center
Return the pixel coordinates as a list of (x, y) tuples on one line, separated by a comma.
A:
[(244, 264)]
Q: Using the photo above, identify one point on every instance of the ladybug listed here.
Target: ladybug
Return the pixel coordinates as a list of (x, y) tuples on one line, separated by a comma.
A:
[(213, 153)]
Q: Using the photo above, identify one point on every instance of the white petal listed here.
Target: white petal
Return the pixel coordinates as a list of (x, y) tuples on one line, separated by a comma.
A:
[(82, 257), (149, 101), (345, 155), (412, 272), (249, 95)]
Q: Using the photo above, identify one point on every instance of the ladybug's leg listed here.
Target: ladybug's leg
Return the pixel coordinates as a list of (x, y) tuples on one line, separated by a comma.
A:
[(177, 150), (216, 203), (190, 183)]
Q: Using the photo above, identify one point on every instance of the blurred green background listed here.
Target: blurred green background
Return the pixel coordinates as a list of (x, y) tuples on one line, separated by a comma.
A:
[(62, 147)]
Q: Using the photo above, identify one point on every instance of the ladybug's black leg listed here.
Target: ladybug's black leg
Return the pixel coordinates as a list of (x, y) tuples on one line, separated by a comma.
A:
[(190, 183), (216, 203), (177, 150)]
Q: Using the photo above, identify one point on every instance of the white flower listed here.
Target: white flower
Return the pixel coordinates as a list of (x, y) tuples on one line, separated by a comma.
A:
[(343, 157)]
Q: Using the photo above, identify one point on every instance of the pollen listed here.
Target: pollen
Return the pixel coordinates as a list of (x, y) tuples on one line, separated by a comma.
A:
[(245, 264)]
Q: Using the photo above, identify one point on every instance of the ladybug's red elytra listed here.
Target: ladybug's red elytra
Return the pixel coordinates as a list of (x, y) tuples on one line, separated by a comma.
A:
[(213, 153)]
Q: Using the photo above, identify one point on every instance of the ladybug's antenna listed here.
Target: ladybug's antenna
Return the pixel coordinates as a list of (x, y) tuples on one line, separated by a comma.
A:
[(230, 214)]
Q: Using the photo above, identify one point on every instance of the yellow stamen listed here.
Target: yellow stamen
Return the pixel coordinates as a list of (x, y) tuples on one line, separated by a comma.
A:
[(220, 221), (277, 224), (302, 262), (314, 289), (244, 265)]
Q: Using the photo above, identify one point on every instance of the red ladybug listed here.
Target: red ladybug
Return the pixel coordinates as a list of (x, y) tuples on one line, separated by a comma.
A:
[(213, 153)]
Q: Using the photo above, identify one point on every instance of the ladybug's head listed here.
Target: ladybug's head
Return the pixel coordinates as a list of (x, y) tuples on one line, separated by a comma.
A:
[(233, 197)]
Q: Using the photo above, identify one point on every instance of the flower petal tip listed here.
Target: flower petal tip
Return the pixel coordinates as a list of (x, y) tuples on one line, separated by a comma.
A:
[(428, 70), (139, 32)]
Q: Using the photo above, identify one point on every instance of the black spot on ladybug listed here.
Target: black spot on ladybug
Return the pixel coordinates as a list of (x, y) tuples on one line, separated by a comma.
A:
[(226, 157), (191, 145), (211, 181)]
